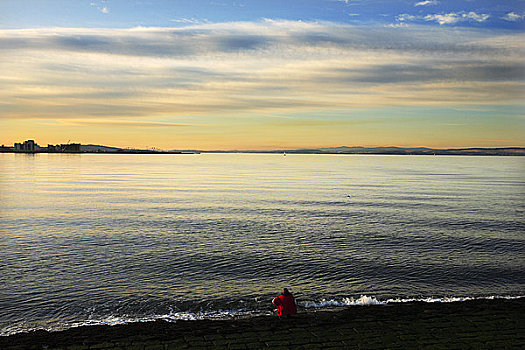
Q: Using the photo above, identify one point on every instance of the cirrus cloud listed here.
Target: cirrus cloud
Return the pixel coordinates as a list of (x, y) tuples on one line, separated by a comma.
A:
[(426, 3), (452, 18), (251, 67), (513, 17)]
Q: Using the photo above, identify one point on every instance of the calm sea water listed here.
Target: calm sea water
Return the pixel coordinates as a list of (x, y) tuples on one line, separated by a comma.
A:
[(108, 238)]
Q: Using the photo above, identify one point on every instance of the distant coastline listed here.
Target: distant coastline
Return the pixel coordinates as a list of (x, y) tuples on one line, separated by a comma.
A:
[(504, 151), (30, 146)]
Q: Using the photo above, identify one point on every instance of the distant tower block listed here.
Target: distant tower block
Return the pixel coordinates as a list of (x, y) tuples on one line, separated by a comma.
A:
[(29, 146)]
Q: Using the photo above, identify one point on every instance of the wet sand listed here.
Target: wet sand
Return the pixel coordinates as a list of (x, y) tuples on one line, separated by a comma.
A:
[(479, 324)]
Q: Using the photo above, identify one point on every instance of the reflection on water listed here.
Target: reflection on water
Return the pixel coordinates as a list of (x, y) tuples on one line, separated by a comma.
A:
[(91, 236)]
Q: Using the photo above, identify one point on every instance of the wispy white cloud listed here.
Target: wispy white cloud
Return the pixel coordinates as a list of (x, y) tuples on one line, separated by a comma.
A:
[(426, 3), (405, 17), (188, 20), (100, 5), (513, 17), (482, 17), (397, 25), (123, 123), (452, 18), (447, 18)]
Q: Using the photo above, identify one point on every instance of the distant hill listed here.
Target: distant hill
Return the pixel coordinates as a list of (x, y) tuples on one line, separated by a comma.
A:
[(98, 148), (424, 151), (502, 151), (506, 151), (108, 149)]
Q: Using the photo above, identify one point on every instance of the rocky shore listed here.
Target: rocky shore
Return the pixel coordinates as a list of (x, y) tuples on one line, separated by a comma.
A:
[(477, 324)]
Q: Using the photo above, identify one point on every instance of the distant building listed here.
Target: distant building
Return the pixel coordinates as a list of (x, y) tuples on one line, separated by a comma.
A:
[(71, 147), (6, 149), (28, 146), (66, 148)]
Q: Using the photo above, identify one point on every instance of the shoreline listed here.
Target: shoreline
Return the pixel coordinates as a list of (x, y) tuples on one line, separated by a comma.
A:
[(480, 324), (491, 154), (343, 150)]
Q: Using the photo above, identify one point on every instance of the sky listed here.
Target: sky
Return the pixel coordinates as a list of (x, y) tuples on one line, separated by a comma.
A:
[(254, 74)]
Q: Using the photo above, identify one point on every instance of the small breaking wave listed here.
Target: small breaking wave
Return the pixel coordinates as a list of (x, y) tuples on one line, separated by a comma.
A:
[(363, 300), (366, 300), (222, 314), (125, 319)]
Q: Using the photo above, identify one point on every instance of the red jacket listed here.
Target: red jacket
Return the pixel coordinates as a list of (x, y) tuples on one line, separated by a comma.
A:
[(285, 305)]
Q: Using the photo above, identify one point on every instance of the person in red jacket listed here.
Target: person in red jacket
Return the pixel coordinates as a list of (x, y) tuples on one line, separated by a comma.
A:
[(285, 303)]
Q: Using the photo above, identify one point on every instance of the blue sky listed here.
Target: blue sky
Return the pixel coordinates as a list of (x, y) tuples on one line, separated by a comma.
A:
[(263, 74), (130, 13)]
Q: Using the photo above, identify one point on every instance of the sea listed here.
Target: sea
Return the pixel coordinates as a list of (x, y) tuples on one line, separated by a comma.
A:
[(113, 238)]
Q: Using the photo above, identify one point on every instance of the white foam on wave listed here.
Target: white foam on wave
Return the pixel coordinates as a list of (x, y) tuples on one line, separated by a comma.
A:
[(366, 300), (452, 299), (363, 300), (173, 316), (112, 320)]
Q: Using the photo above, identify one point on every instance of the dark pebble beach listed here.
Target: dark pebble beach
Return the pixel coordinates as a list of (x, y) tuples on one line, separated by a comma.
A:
[(476, 324)]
